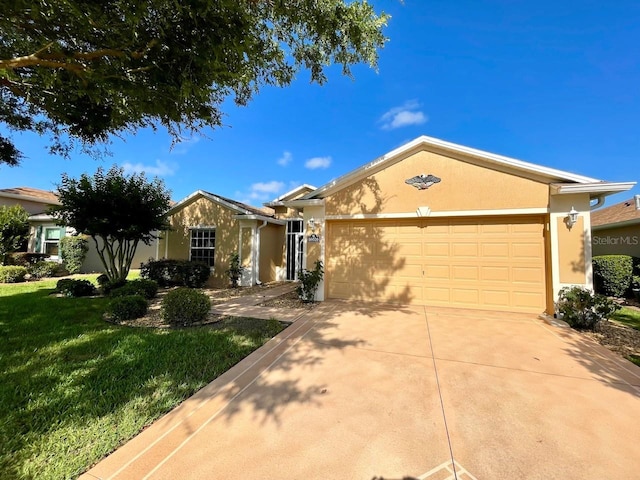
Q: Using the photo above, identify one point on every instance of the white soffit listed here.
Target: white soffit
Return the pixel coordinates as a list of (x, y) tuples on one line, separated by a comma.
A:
[(597, 189)]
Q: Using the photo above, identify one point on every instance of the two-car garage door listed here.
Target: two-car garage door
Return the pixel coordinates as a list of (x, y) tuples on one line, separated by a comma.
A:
[(493, 263)]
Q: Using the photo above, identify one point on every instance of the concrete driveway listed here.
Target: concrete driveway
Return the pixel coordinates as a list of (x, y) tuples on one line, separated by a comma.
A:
[(360, 391)]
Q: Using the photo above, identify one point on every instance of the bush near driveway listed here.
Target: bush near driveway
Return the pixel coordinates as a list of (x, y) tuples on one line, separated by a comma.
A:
[(584, 310), (73, 387)]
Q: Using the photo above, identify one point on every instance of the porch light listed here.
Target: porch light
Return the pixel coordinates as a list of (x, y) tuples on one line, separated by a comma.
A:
[(311, 223), (572, 218), (637, 200)]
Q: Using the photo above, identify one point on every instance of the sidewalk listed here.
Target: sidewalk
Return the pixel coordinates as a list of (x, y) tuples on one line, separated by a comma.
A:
[(248, 306)]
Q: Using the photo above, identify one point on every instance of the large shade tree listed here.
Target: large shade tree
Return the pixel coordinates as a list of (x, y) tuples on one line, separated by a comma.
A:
[(117, 211), (82, 70)]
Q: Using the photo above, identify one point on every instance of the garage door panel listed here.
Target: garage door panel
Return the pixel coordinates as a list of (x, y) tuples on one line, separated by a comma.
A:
[(492, 263)]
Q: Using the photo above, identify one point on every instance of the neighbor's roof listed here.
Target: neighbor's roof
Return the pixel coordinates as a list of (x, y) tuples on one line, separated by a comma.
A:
[(31, 194), (491, 160), (620, 213), (290, 195)]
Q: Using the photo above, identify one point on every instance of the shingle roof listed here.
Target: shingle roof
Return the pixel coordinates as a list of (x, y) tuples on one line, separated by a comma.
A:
[(44, 195), (618, 213), (258, 211)]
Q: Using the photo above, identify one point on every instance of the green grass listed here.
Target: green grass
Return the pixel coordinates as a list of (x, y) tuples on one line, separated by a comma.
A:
[(73, 387), (628, 316)]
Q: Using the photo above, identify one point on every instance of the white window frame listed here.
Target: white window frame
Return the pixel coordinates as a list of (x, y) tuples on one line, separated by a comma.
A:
[(46, 241), (205, 244)]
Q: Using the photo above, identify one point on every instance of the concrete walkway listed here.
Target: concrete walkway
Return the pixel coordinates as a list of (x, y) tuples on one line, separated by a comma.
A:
[(247, 305), (354, 391)]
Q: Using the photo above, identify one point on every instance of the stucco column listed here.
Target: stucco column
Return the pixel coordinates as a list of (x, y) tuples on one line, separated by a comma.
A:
[(570, 247), (314, 250)]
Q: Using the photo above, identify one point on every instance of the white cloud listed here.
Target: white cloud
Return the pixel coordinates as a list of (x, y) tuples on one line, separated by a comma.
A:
[(184, 145), (403, 116), (285, 159), (261, 192), (160, 169), (267, 187), (318, 162)]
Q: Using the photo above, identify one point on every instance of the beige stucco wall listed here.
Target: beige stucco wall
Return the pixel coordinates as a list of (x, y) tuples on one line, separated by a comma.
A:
[(464, 186), (272, 251), (29, 206), (571, 252), (203, 212), (623, 240), (92, 263)]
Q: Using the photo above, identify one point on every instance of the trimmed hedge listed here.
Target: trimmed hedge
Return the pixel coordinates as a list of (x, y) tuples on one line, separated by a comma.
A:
[(12, 273), (612, 274), (184, 306), (127, 308), (73, 251), (43, 269), (176, 272), (143, 287), (75, 288)]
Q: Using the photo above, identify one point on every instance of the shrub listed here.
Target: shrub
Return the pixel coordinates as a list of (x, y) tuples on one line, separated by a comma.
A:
[(583, 310), (107, 287), (235, 270), (75, 288), (127, 308), (14, 229), (309, 282), (43, 269), (184, 306), (176, 272), (73, 251), (24, 259), (12, 274), (145, 288), (102, 279), (612, 274)]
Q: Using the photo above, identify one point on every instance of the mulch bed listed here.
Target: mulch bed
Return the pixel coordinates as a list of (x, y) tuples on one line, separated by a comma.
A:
[(618, 338), (288, 300)]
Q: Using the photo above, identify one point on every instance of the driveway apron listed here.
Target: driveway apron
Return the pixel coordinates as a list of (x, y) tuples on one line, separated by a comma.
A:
[(357, 391)]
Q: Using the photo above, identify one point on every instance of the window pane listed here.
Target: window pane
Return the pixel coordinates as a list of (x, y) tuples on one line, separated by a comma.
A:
[(52, 234), (51, 248)]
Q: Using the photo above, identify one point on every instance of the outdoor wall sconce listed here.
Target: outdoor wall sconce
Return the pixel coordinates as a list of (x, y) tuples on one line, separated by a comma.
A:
[(572, 218), (312, 223)]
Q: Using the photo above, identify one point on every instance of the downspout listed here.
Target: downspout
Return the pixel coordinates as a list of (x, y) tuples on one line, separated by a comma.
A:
[(257, 252), (599, 202)]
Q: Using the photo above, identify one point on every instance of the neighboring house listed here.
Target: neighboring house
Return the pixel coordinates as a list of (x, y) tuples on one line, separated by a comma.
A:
[(615, 230), (45, 235)]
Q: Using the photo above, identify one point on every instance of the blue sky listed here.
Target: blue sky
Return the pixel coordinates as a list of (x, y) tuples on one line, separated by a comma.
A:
[(553, 83)]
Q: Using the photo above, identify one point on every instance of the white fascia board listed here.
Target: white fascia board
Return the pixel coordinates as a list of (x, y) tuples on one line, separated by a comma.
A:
[(28, 198), (303, 202), (426, 142), (596, 188), (211, 197), (278, 201), (444, 214), (260, 218), (41, 217)]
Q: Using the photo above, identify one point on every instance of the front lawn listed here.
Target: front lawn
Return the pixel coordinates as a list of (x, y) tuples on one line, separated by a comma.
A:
[(73, 387), (628, 316)]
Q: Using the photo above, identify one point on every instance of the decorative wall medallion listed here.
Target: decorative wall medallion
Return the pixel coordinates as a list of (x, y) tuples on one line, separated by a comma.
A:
[(422, 182)]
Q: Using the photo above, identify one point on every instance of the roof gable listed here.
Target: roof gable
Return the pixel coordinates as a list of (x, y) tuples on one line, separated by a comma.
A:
[(238, 207), (466, 154)]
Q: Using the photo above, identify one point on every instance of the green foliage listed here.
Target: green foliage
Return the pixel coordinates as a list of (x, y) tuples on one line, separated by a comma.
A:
[(584, 310), (43, 269), (75, 288), (185, 306), (117, 211), (176, 272), (127, 308), (85, 70), (14, 228), (612, 274), (25, 259), (73, 251), (12, 273), (309, 282), (235, 270), (145, 288)]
